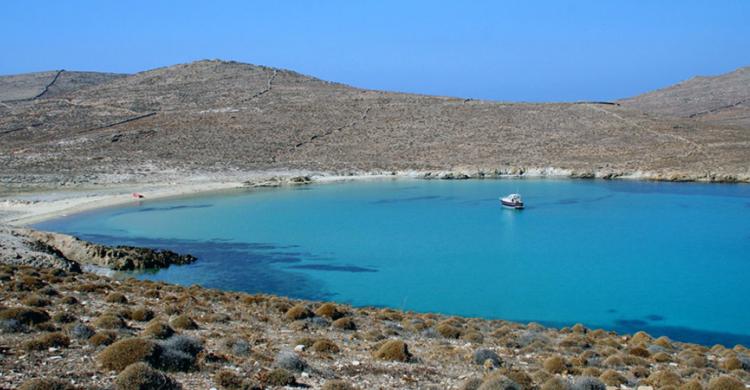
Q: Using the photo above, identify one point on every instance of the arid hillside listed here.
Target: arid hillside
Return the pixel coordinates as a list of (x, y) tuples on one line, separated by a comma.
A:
[(723, 99), (216, 116)]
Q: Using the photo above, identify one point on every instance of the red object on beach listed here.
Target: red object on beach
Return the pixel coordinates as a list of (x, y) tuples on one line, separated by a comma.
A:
[(137, 195)]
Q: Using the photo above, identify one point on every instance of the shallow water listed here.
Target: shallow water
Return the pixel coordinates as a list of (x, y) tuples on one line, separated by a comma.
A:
[(670, 258)]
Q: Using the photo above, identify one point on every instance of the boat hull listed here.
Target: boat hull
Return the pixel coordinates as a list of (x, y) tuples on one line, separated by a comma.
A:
[(512, 205)]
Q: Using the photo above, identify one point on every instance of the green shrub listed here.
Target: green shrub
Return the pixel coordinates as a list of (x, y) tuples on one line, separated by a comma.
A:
[(183, 322), (128, 351), (45, 341), (140, 376), (395, 350), (25, 315)]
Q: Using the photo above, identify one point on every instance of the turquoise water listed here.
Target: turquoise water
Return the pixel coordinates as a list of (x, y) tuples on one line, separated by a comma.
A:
[(673, 259)]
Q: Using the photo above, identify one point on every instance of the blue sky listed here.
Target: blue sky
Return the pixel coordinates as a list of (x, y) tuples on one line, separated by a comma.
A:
[(501, 50)]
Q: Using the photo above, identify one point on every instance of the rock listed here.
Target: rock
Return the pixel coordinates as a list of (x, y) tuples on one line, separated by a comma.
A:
[(121, 258), (297, 180), (290, 361), (482, 355)]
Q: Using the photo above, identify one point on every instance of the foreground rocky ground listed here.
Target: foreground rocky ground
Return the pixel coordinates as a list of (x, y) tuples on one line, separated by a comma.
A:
[(82, 330)]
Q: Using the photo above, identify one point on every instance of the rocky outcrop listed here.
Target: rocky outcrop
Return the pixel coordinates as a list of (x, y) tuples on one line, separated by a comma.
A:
[(68, 252), (18, 249)]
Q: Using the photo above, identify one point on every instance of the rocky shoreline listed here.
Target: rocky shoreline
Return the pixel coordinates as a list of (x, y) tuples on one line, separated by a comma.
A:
[(21, 246)]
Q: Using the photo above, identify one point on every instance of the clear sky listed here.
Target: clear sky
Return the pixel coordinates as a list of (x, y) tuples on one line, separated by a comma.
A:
[(517, 50)]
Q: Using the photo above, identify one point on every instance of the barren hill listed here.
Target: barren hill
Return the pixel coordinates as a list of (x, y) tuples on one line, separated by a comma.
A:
[(216, 116), (723, 99), (32, 86)]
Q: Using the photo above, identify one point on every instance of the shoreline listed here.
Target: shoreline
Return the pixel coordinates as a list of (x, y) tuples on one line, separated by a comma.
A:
[(38, 205)]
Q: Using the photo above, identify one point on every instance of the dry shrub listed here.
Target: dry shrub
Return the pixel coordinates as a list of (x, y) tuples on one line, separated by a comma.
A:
[(692, 385), (337, 385), (395, 350), (183, 322), (664, 378), (725, 383), (126, 352), (25, 315), (661, 357), (556, 383), (279, 377), (142, 314), (554, 365), (298, 312), (49, 340), (46, 384), (448, 331), (140, 376), (640, 352), (346, 323), (35, 301), (613, 378), (329, 310), (325, 346), (158, 330), (473, 336), (116, 297), (103, 338), (109, 321)]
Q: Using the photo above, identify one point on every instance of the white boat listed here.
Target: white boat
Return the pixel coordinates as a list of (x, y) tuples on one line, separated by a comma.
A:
[(513, 201)]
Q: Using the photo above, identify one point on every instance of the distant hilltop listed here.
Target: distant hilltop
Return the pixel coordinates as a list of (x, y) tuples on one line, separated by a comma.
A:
[(218, 116)]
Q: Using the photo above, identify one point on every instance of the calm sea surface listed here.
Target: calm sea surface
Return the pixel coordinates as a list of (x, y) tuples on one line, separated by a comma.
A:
[(673, 259)]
